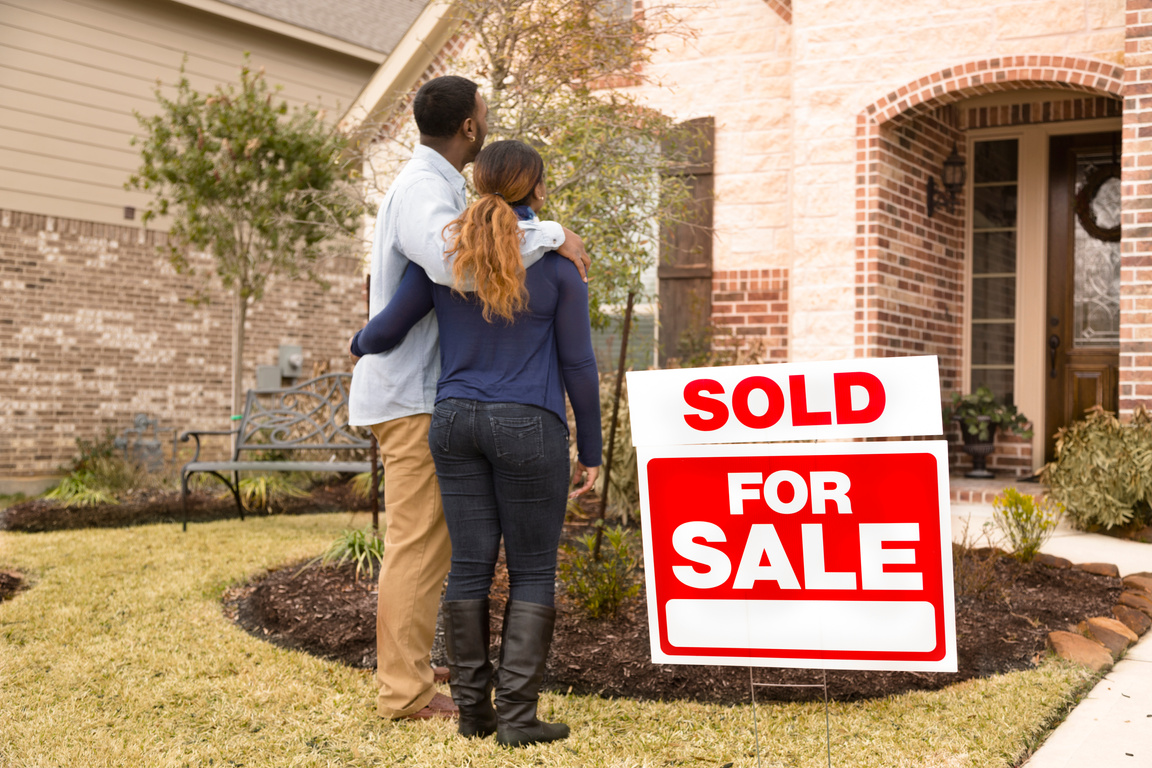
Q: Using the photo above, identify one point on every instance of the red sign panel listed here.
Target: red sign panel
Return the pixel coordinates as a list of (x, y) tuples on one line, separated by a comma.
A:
[(832, 556)]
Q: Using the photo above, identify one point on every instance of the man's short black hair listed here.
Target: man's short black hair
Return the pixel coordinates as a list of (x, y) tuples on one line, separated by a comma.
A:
[(442, 104)]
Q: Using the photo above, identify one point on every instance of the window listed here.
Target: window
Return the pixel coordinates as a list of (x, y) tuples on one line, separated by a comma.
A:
[(995, 168)]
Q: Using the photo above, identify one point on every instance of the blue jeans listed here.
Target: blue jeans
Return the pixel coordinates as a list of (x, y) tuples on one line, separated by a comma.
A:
[(503, 471)]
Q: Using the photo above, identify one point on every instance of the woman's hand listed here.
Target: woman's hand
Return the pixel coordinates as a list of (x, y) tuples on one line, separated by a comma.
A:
[(592, 472)]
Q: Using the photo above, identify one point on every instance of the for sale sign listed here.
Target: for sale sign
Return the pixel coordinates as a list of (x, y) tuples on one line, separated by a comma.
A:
[(818, 555), (832, 556)]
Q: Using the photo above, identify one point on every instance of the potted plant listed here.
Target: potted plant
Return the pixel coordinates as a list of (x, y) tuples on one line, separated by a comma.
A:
[(979, 414)]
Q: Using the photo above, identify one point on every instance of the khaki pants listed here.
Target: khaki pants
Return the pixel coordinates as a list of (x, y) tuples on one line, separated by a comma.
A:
[(417, 554)]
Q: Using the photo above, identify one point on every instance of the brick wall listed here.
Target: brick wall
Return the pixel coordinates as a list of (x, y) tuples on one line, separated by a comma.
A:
[(93, 329), (1136, 216), (750, 307)]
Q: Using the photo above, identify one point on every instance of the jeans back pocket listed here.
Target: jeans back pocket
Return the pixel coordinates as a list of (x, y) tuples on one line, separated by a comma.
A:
[(440, 433), (518, 439)]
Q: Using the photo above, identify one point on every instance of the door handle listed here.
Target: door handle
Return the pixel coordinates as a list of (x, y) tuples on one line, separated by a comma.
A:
[(1053, 348)]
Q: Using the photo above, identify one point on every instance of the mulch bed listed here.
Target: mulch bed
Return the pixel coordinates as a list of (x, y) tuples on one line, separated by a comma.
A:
[(328, 612), (143, 507)]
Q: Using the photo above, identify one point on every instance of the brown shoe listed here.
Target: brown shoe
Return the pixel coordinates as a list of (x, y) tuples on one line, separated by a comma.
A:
[(440, 674), (440, 706)]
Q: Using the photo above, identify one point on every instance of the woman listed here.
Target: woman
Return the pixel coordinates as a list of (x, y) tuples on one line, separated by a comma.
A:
[(509, 348)]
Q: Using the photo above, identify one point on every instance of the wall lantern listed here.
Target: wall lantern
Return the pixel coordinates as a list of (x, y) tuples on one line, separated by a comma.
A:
[(952, 176)]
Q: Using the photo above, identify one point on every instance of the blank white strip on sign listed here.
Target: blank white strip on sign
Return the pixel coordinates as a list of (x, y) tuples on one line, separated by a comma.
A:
[(803, 625)]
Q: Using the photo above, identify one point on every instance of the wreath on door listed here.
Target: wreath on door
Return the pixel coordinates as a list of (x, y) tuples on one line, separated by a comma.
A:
[(1087, 195)]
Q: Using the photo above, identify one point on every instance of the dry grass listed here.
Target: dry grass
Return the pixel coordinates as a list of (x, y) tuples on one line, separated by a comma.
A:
[(120, 656)]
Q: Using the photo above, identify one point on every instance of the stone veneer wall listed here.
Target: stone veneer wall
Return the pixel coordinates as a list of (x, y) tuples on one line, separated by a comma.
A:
[(93, 330), (1136, 212)]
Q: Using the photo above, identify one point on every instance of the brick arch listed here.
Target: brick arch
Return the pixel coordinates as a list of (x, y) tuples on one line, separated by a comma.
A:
[(1007, 73), (886, 272)]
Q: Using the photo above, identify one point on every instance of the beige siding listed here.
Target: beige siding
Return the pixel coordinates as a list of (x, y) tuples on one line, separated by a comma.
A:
[(73, 72)]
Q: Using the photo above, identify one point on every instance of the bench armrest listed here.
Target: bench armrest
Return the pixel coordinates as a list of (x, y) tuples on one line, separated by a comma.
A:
[(196, 433)]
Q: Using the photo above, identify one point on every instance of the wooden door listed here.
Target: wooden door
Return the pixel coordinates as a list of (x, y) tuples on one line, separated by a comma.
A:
[(685, 269), (1083, 328)]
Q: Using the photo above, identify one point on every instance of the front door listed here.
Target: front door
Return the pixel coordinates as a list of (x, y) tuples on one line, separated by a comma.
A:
[(1083, 325)]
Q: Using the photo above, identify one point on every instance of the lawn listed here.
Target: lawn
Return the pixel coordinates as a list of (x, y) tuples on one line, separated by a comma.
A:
[(120, 655)]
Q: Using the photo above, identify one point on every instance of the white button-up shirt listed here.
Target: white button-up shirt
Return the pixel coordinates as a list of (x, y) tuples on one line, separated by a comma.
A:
[(426, 196)]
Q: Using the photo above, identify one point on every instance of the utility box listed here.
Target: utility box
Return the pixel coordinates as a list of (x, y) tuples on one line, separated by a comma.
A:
[(267, 377), (291, 361)]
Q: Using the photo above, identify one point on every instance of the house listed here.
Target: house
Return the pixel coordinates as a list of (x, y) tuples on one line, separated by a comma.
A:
[(904, 177), (93, 326)]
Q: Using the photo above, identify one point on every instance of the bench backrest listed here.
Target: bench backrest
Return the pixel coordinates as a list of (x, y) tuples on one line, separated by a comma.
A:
[(312, 415)]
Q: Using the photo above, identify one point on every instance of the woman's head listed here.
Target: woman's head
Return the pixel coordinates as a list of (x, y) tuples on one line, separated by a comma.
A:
[(511, 170), (486, 237)]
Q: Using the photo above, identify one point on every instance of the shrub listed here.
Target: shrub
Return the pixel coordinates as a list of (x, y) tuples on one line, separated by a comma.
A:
[(1024, 521), (99, 474), (601, 586), (262, 492), (80, 489), (1102, 473), (362, 484), (364, 547)]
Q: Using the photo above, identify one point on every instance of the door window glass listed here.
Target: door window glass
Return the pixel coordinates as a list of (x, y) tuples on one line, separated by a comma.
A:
[(1096, 263)]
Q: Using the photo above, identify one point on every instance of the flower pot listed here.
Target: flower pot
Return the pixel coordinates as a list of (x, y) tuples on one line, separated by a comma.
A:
[(979, 450)]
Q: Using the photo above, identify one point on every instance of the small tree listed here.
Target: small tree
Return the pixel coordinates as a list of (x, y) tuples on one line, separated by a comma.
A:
[(559, 75), (260, 187)]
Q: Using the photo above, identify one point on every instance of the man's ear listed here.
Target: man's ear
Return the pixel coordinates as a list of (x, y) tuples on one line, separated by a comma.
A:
[(468, 129)]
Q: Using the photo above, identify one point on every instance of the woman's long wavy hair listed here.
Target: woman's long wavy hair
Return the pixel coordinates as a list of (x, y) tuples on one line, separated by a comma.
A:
[(486, 238)]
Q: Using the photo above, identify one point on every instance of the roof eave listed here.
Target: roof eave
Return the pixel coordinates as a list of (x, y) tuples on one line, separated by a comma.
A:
[(399, 71), (303, 34)]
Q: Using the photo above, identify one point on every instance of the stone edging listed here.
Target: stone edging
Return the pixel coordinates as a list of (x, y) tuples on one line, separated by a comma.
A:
[(1101, 640)]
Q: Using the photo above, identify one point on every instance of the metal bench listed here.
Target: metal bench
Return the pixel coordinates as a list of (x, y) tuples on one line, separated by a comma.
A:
[(311, 416)]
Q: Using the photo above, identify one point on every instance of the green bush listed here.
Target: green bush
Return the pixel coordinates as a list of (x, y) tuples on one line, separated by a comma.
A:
[(1024, 521), (362, 484), (364, 547), (262, 492), (1102, 473), (99, 474), (601, 586), (80, 489)]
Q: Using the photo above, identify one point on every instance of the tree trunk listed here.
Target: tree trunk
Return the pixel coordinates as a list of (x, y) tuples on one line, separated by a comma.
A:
[(239, 313)]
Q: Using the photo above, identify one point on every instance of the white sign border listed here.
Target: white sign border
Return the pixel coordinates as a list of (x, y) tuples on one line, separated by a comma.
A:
[(938, 448)]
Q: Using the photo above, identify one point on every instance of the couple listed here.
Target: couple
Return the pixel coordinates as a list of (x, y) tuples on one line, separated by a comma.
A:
[(480, 324)]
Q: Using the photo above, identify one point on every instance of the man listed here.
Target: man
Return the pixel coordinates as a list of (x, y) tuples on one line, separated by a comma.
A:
[(394, 393)]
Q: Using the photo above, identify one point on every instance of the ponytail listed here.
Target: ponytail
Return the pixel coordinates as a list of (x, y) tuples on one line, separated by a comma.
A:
[(486, 243)]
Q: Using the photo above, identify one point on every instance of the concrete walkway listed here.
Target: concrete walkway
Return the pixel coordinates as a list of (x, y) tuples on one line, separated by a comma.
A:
[(1112, 726)]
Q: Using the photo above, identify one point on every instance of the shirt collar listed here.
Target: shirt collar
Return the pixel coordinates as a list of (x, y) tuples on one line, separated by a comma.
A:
[(441, 165), (524, 213)]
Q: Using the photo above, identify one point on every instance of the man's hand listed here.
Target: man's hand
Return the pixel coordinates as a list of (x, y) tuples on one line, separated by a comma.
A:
[(593, 473), (573, 249)]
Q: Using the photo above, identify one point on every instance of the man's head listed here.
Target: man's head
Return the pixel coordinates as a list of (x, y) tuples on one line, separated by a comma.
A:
[(451, 114)]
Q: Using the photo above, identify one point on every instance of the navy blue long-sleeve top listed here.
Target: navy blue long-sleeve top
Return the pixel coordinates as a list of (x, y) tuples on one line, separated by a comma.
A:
[(544, 351)]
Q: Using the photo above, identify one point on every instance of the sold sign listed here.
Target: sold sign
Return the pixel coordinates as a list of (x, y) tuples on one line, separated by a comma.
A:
[(873, 397), (820, 555)]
